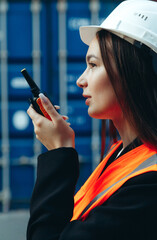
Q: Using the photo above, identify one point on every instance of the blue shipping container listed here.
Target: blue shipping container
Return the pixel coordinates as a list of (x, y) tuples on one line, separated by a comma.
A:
[(18, 87), (78, 116), (20, 125), (19, 30), (21, 151), (78, 14), (83, 147), (74, 71), (21, 182)]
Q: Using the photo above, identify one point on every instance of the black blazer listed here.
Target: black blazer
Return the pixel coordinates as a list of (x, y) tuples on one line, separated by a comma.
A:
[(130, 213)]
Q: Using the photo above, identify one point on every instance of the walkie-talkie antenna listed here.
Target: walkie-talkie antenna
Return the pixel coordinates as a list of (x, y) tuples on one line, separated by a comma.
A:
[(34, 88)]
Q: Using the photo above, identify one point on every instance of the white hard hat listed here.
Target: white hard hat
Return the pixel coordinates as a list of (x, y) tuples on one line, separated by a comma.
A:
[(132, 20)]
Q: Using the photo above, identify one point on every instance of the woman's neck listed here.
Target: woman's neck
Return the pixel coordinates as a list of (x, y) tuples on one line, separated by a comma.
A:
[(126, 131)]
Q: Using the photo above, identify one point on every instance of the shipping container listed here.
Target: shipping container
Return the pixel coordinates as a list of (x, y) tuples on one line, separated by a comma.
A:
[(43, 37)]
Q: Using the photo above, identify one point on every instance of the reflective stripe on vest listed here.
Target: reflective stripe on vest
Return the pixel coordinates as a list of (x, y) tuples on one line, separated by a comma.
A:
[(99, 188)]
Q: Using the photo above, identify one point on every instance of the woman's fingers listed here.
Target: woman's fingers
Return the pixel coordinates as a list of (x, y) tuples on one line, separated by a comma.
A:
[(57, 107), (32, 113), (36, 117), (52, 134), (65, 117), (51, 110), (49, 107)]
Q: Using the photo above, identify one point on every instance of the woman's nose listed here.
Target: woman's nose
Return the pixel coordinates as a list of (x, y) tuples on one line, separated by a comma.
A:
[(81, 82)]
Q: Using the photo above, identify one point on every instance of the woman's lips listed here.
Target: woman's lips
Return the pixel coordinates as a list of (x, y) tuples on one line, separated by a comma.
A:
[(88, 99)]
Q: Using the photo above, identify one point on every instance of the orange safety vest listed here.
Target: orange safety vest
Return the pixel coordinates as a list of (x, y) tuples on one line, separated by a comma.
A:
[(100, 186)]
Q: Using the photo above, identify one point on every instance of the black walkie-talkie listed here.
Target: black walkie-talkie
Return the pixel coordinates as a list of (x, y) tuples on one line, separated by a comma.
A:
[(35, 100)]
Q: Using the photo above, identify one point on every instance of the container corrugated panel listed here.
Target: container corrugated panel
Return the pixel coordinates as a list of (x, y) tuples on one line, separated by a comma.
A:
[(74, 71), (83, 147), (0, 121), (106, 7), (54, 36), (78, 117), (18, 87), (1, 181), (22, 172), (21, 184), (20, 51), (53, 50), (21, 151), (78, 14), (1, 178), (19, 30), (45, 46), (20, 125)]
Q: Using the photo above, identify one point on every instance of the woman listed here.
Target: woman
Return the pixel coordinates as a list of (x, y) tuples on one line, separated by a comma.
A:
[(119, 200)]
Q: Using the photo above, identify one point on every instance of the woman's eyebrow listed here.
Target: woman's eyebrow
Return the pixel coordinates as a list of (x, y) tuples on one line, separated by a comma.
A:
[(88, 57)]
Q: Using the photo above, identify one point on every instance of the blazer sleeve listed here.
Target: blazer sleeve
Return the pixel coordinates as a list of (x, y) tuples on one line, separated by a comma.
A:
[(52, 201), (130, 213)]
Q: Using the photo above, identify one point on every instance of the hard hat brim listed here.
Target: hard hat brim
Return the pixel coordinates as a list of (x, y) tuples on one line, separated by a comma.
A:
[(87, 33), (131, 20)]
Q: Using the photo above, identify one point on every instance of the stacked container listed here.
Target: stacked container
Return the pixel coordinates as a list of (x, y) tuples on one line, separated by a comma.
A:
[(19, 39), (42, 37)]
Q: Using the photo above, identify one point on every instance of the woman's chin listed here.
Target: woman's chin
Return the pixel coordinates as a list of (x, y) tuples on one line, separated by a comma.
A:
[(94, 114)]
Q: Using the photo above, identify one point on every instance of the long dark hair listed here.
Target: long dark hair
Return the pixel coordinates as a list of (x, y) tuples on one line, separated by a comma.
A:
[(130, 70)]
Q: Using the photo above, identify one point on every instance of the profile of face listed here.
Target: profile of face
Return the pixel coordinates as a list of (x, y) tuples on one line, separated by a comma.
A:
[(97, 88)]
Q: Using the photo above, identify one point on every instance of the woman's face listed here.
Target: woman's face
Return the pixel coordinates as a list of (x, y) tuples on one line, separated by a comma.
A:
[(97, 89)]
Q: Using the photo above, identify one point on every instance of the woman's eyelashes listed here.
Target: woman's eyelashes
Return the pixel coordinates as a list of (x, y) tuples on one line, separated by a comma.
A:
[(92, 65)]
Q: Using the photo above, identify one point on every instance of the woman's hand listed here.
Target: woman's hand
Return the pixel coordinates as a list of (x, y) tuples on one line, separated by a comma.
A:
[(52, 134)]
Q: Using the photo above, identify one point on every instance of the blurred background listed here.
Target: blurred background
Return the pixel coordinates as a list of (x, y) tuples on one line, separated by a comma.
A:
[(43, 37)]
